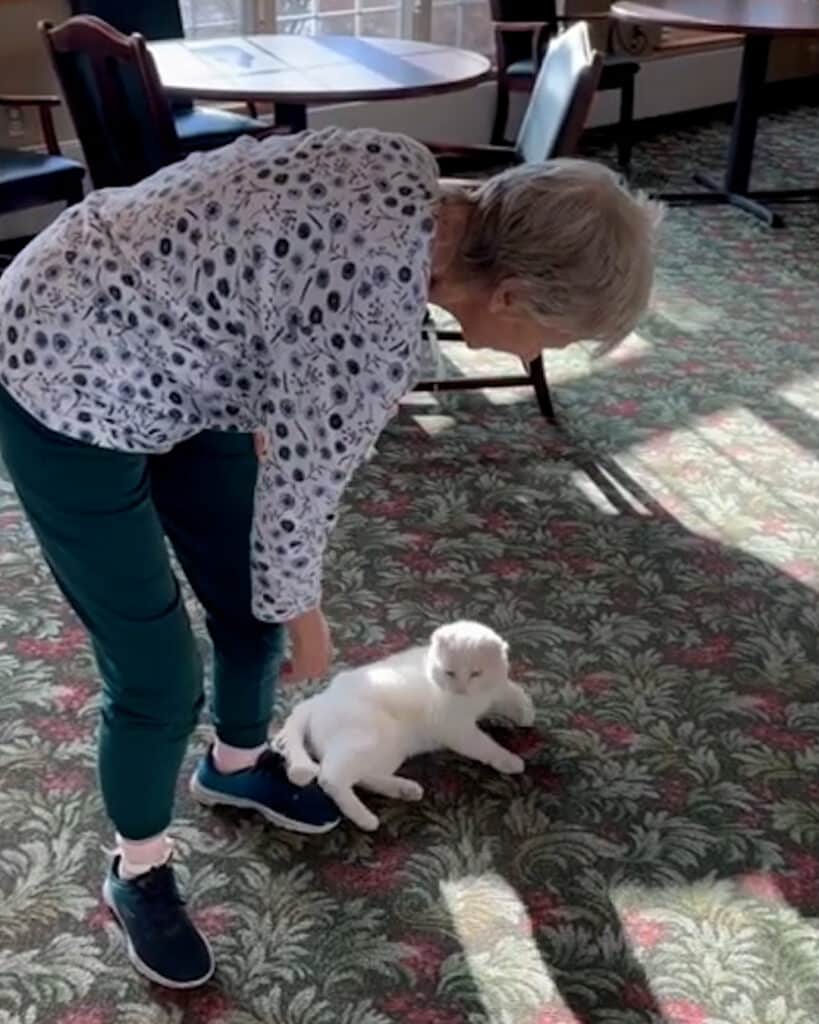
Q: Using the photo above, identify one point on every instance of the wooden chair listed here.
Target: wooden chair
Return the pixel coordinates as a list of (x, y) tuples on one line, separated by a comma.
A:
[(28, 178), (523, 28), (557, 112), (197, 127), (112, 89)]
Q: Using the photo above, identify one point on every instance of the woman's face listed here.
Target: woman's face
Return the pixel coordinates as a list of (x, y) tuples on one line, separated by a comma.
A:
[(494, 319)]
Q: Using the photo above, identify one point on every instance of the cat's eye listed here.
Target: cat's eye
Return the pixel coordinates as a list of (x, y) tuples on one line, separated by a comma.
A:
[(449, 674), (475, 674)]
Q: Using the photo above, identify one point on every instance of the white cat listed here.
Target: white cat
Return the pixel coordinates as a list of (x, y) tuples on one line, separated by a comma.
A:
[(369, 720)]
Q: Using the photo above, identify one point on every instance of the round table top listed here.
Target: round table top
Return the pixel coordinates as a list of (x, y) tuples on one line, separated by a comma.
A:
[(311, 69), (766, 17)]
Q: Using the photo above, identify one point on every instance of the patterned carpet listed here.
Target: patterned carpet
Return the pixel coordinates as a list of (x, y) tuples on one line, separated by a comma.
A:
[(655, 566)]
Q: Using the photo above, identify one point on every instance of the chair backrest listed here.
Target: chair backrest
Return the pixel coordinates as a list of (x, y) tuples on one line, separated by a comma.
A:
[(561, 98), (111, 86), (517, 46), (158, 19)]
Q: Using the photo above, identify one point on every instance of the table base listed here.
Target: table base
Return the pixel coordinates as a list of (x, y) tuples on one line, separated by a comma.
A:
[(734, 188), (750, 202), (291, 115)]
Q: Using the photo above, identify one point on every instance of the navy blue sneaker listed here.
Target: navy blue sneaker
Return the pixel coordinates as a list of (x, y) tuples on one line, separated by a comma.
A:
[(163, 943), (266, 788)]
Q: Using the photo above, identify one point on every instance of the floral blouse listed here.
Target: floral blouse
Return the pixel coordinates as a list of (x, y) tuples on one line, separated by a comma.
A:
[(276, 286)]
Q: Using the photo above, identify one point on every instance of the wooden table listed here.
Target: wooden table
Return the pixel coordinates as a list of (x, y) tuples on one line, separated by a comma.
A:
[(759, 21), (295, 71)]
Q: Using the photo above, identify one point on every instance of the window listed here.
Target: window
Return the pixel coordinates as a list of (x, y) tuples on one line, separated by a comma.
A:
[(218, 17), (340, 17), (464, 23)]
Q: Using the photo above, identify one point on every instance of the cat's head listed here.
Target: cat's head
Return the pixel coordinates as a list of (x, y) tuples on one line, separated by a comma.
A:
[(467, 658)]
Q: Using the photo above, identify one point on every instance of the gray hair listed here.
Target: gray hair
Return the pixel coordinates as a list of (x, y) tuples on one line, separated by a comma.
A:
[(579, 243)]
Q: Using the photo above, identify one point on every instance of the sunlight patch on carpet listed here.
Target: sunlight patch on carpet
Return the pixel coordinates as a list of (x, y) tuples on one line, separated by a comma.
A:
[(739, 928), (499, 949), (736, 477)]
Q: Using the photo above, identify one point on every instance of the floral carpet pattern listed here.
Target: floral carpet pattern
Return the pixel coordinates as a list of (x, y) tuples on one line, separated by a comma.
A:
[(654, 564)]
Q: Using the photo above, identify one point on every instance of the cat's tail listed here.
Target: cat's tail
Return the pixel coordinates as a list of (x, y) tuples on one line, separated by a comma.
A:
[(291, 743)]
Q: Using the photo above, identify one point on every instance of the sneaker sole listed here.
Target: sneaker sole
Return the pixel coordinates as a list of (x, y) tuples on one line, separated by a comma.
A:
[(212, 798), (139, 964)]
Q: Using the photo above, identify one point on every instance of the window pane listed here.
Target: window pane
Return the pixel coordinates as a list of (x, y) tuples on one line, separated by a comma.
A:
[(335, 6), (463, 23), (337, 25), (380, 23), (295, 26), (212, 17), (302, 9), (476, 31), (444, 24)]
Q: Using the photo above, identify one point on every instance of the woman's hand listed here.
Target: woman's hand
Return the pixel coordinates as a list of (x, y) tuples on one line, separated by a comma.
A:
[(261, 444), (310, 647)]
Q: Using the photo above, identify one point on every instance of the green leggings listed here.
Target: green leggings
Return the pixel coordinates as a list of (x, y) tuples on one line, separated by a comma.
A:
[(101, 518)]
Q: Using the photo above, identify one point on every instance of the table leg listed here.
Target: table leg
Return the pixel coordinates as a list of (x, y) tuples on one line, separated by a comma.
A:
[(734, 189), (746, 116), (294, 115)]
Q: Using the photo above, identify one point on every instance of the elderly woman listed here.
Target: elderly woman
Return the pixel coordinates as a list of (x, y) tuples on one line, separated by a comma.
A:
[(272, 288)]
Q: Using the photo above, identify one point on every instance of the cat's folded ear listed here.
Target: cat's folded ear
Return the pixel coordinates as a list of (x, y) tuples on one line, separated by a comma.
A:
[(440, 638)]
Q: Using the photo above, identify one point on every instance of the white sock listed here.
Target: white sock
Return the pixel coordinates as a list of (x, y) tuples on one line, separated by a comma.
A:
[(230, 759), (138, 856)]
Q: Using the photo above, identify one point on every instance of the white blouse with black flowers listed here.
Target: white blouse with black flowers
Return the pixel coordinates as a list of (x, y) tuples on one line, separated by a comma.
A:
[(276, 286)]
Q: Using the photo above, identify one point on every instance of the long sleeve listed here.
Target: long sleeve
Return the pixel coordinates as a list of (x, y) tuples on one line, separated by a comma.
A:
[(345, 261), (314, 443)]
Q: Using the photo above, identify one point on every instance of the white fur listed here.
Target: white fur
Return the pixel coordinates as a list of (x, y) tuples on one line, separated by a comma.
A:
[(369, 720)]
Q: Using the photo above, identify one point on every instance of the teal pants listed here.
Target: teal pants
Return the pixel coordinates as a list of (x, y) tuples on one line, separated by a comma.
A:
[(101, 518)]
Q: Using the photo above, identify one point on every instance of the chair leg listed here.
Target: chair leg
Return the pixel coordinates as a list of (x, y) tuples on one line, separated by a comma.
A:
[(501, 114), (541, 386), (75, 193), (625, 129)]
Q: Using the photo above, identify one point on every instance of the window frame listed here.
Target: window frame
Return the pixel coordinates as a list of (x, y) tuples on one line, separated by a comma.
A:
[(414, 18)]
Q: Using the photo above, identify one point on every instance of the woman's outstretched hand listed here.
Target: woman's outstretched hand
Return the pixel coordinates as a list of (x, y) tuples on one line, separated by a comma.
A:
[(310, 647)]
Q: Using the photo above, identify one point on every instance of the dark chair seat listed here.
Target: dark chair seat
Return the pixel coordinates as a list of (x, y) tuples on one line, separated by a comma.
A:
[(616, 70), (197, 127), (27, 178), (522, 69), (210, 127)]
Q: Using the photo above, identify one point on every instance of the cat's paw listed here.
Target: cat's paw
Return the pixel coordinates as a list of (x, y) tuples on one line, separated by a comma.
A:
[(525, 710), (302, 774), (408, 789), (509, 764), (368, 822)]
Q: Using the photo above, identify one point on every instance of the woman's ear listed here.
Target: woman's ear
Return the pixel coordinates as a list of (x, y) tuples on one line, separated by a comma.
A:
[(505, 297)]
